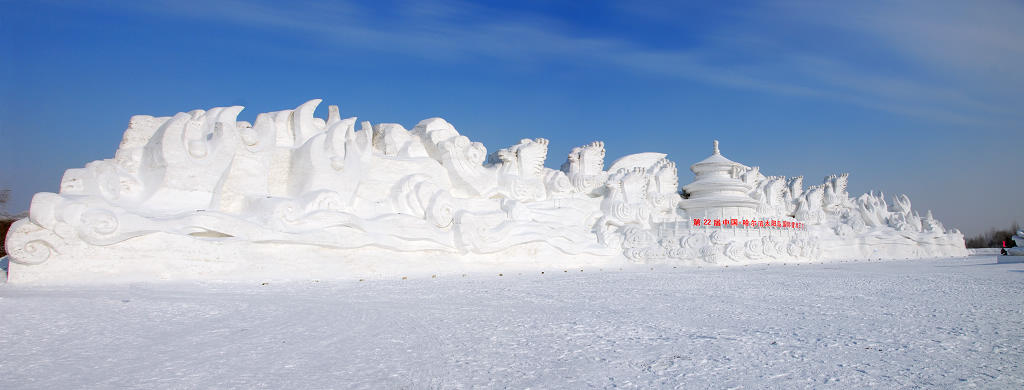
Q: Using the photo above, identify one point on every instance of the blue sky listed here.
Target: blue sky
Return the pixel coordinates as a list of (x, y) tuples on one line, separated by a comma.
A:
[(923, 98)]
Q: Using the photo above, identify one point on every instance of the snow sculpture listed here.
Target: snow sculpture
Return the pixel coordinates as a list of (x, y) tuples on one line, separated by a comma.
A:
[(585, 167), (718, 190), (1018, 250), (520, 170), (203, 195)]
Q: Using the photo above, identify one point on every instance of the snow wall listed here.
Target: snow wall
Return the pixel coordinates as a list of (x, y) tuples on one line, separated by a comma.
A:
[(201, 195)]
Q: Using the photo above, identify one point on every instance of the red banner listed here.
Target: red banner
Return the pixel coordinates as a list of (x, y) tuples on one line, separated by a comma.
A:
[(748, 223)]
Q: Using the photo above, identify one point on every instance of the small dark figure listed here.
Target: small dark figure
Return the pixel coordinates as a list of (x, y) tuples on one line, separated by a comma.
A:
[(1002, 251)]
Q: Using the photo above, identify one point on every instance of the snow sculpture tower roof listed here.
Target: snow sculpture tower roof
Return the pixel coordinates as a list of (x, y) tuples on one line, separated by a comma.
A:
[(717, 190)]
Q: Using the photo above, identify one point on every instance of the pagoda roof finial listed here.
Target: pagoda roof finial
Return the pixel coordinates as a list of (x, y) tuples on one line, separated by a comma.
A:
[(716, 147)]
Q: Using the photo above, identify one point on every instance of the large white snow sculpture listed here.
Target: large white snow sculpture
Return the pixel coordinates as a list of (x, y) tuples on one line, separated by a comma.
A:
[(202, 195)]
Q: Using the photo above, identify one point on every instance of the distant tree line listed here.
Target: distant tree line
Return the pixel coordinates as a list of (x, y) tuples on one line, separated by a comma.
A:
[(5, 225), (994, 238), (5, 220)]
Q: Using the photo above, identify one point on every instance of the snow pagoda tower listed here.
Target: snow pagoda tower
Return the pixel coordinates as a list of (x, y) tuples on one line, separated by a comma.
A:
[(717, 191)]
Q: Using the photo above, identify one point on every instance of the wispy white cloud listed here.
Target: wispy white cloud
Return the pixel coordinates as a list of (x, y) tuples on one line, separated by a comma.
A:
[(976, 39), (955, 56), (946, 61)]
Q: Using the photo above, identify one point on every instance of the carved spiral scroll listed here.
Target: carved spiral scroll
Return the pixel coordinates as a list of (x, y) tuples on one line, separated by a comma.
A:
[(754, 248), (735, 251), (30, 244), (98, 226), (441, 211)]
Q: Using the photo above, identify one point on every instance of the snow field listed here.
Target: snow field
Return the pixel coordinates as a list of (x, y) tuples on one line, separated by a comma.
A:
[(928, 323)]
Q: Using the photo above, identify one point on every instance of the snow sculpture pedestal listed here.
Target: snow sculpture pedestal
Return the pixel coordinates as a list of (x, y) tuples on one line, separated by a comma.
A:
[(201, 195)]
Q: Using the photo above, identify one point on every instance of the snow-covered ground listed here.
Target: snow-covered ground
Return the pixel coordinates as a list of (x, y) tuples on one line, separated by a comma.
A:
[(983, 251), (929, 323)]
